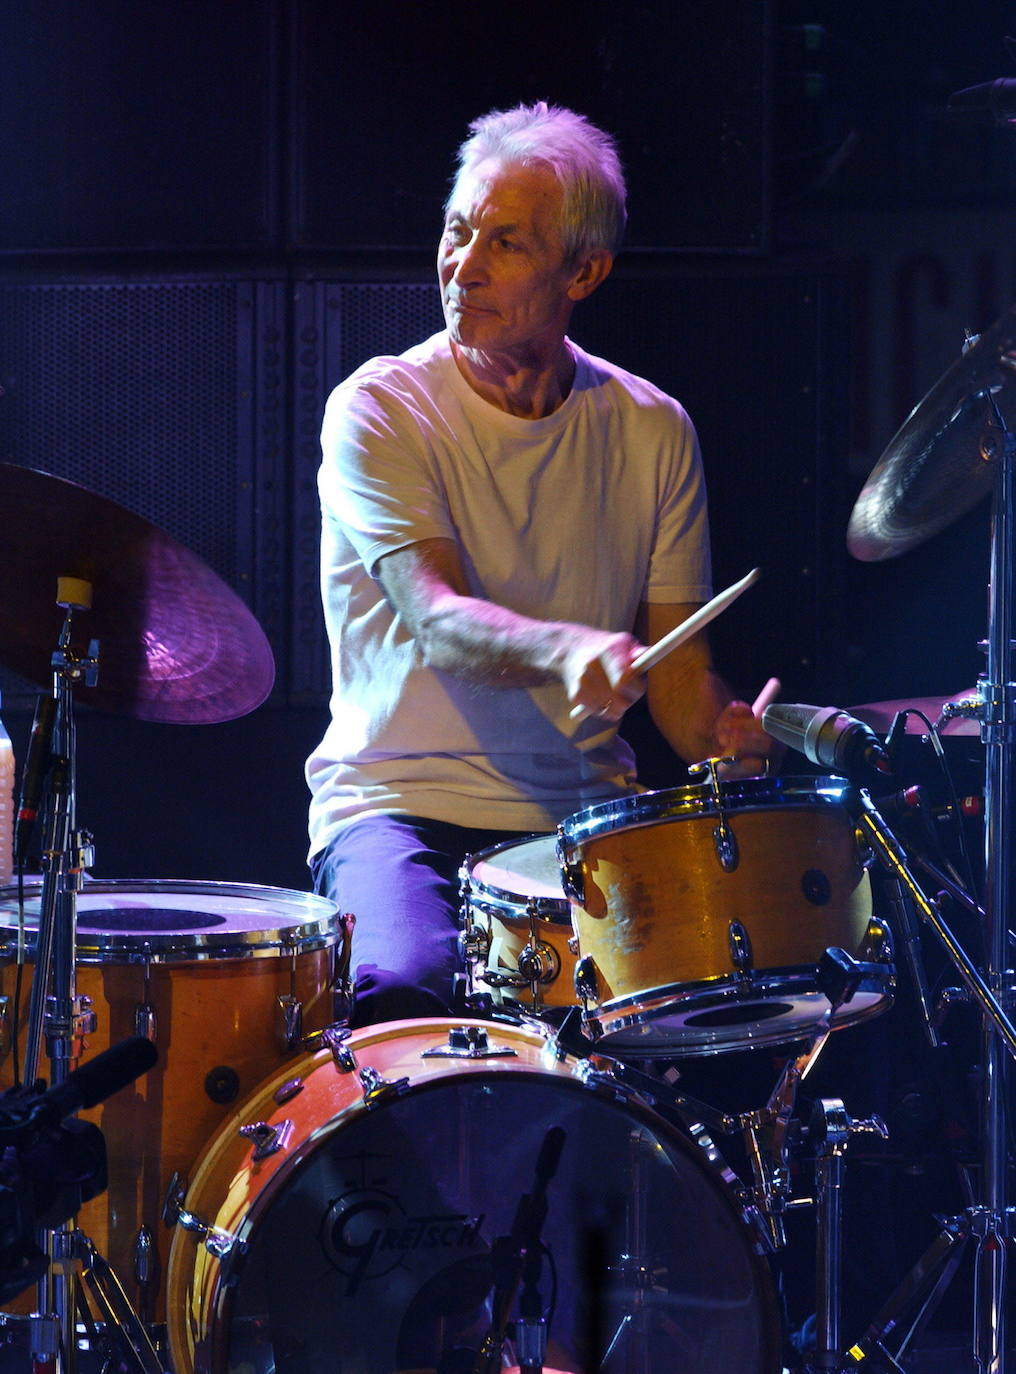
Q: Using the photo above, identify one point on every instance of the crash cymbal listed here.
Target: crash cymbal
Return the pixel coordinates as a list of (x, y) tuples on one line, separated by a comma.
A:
[(935, 468), (881, 714), (175, 643)]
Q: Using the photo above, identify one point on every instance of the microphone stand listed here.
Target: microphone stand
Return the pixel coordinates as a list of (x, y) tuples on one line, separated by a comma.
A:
[(517, 1260), (990, 1221), (63, 1018)]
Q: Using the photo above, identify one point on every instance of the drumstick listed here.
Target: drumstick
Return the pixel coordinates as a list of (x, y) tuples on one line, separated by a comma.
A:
[(766, 697), (693, 624)]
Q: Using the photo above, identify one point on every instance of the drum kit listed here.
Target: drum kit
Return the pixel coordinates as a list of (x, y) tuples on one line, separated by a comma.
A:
[(528, 1184)]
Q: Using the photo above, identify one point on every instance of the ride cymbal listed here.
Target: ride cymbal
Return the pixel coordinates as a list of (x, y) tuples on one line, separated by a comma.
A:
[(176, 644), (937, 466)]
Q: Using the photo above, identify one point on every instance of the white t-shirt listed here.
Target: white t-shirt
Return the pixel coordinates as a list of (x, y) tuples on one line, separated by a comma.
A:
[(579, 516)]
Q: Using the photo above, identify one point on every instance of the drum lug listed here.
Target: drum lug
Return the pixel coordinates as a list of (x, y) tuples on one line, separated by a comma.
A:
[(5, 1027), (145, 1021), (724, 839), (377, 1089), (334, 1038), (586, 983), (474, 945), (572, 881), (740, 948), (725, 843), (468, 1042), (290, 1022), (267, 1140), (145, 1258)]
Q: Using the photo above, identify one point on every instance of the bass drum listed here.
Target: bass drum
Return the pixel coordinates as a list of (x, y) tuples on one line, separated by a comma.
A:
[(346, 1221)]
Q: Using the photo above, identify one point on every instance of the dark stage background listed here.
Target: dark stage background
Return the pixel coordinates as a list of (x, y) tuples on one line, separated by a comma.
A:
[(211, 212)]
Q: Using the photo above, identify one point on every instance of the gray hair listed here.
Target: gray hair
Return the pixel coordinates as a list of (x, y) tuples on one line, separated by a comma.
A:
[(582, 157)]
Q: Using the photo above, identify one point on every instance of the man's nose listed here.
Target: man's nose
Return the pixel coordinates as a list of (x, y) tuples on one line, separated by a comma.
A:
[(469, 262)]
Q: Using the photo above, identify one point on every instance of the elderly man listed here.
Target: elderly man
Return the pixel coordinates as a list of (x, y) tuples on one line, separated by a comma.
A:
[(506, 522)]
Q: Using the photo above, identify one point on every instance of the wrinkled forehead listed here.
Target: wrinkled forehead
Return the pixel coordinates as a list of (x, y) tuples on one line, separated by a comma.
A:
[(519, 193)]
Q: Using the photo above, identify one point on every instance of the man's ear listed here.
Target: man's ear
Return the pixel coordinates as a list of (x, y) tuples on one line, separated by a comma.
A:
[(593, 267)]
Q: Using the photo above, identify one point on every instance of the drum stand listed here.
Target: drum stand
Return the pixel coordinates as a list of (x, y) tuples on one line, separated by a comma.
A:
[(989, 1222), (64, 1019)]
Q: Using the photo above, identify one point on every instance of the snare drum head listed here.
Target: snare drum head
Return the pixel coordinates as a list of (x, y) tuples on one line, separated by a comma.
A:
[(519, 870), (374, 1246)]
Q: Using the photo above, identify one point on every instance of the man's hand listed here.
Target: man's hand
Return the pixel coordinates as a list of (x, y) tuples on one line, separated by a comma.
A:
[(739, 735), (596, 673)]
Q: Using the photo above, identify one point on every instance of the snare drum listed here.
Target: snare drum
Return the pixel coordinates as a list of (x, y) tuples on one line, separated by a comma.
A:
[(516, 931), (354, 1203), (700, 920), (224, 978)]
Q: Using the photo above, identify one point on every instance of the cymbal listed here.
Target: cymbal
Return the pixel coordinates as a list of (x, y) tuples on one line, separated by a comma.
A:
[(935, 468), (176, 644), (881, 714)]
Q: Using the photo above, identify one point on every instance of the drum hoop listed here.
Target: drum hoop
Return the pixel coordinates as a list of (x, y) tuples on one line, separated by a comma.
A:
[(737, 796), (607, 1088), (556, 910), (100, 947)]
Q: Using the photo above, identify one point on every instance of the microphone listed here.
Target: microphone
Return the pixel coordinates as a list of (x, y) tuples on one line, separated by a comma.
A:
[(993, 102), (86, 1086), (40, 748), (829, 737)]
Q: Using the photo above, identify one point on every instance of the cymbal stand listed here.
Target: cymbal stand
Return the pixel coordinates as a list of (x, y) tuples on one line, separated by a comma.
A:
[(990, 1222), (63, 1018)]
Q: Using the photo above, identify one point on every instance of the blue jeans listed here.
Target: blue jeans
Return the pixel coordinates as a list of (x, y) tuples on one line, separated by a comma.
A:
[(398, 875)]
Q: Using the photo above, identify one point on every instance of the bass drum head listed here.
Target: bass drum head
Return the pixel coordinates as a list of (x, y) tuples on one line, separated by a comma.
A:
[(377, 1251)]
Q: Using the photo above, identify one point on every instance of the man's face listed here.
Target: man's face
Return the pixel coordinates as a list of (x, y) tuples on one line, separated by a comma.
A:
[(504, 282)]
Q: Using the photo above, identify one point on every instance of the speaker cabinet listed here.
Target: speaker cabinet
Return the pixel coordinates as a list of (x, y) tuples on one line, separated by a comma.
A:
[(384, 94), (169, 397), (133, 126)]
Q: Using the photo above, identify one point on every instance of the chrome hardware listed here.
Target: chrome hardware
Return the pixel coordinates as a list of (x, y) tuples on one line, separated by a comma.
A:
[(145, 1021), (217, 1242), (878, 941), (267, 1140), (288, 1091), (593, 1075), (172, 1204), (572, 880), (724, 839), (289, 1026), (376, 1088), (586, 983), (539, 963), (83, 1018), (332, 1038), (145, 1258), (474, 944), (739, 942), (5, 1027), (468, 1042)]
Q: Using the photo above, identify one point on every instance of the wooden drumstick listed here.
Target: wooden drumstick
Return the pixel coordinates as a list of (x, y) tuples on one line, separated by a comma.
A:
[(766, 697), (693, 624)]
